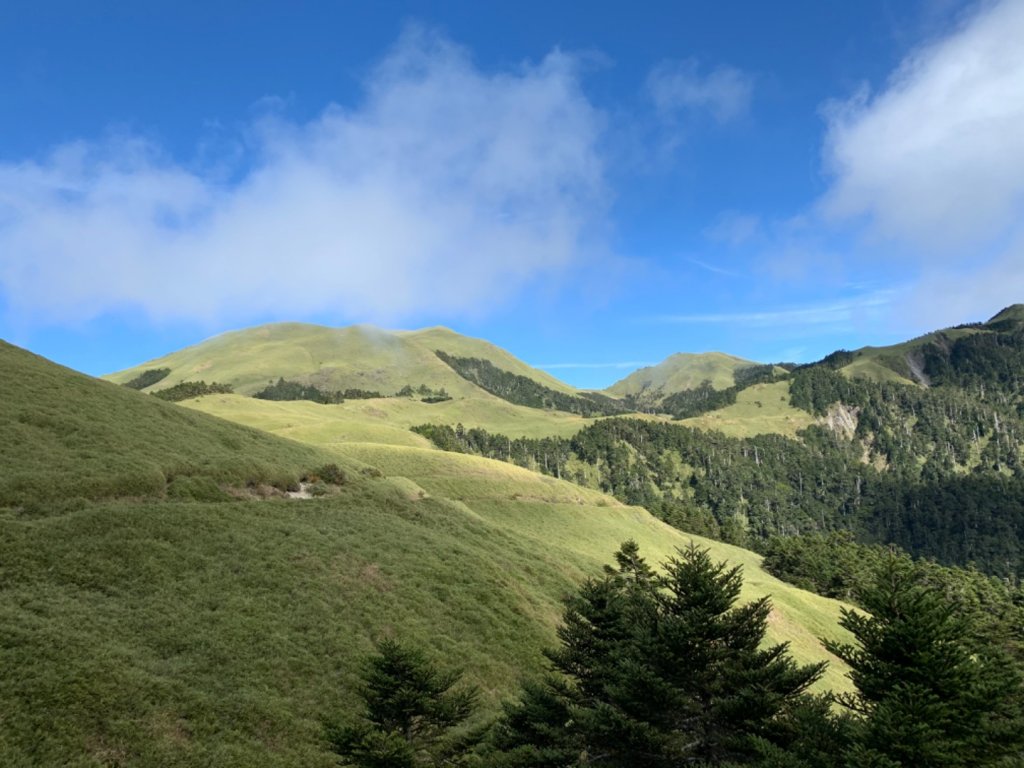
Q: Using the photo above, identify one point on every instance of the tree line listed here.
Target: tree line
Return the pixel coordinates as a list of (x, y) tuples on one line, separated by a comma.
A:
[(297, 390), (522, 390), (748, 490)]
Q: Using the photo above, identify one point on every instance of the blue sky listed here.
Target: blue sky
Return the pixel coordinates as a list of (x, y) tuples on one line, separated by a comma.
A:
[(593, 186)]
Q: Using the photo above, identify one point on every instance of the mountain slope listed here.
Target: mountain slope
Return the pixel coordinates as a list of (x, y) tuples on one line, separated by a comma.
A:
[(547, 512), (679, 372), (905, 362), (147, 632), (69, 436), (358, 356)]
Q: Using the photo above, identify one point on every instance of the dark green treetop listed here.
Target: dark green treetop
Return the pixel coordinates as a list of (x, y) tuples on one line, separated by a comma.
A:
[(659, 669), (927, 695), (410, 711)]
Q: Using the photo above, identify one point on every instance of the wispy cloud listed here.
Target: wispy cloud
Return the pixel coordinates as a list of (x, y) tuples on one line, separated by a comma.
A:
[(735, 229), (832, 313), (676, 87), (557, 366), (713, 268), (445, 191), (934, 162)]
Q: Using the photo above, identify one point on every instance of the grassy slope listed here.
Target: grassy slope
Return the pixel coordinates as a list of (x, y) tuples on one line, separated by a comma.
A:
[(890, 363), (358, 356), (681, 371), (465, 346), (387, 420), (760, 409), (552, 511), (159, 633), (68, 435), (1013, 312)]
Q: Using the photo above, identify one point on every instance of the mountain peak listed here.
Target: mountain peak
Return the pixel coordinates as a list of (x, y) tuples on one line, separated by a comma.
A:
[(680, 371)]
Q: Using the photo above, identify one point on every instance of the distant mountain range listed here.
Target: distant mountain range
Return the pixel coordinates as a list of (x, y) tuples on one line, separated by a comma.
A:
[(369, 358)]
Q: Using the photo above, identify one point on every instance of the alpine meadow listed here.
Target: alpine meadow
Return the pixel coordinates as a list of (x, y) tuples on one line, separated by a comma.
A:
[(438, 385)]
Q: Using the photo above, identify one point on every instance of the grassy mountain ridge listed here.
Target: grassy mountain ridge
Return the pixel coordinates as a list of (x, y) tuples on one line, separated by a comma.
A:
[(681, 371), (904, 362), (358, 357)]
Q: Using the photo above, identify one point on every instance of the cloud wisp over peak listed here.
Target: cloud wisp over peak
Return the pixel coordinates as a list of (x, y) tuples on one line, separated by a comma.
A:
[(445, 191)]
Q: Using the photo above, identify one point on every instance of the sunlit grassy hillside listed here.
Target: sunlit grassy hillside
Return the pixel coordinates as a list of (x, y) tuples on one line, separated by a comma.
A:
[(554, 511), (760, 409), (359, 356), (143, 631), (387, 420), (681, 371), (67, 436)]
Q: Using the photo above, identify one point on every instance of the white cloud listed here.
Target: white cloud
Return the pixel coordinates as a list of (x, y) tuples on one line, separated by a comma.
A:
[(937, 158), (678, 86), (843, 312), (445, 191)]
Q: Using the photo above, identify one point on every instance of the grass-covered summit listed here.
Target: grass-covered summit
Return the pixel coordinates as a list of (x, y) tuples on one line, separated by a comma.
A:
[(679, 372), (354, 357)]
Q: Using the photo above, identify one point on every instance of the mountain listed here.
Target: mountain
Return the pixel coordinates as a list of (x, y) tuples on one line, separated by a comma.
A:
[(907, 362), (357, 357), (68, 436), (680, 372), (140, 626)]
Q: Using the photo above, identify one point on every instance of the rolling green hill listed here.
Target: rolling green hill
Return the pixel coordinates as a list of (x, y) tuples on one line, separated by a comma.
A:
[(761, 409), (69, 436), (142, 631), (679, 372), (357, 357)]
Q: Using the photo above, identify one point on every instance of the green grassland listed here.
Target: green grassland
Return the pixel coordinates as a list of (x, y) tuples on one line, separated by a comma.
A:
[(387, 420), (494, 491), (359, 356), (873, 369), (760, 409), (892, 363), (68, 436), (457, 345), (679, 372), (138, 631)]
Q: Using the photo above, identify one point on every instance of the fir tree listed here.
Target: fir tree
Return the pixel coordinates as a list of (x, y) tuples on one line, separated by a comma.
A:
[(659, 669), (410, 710), (924, 696)]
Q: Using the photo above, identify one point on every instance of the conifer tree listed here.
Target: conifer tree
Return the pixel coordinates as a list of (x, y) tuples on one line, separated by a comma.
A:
[(659, 669), (925, 696), (410, 709)]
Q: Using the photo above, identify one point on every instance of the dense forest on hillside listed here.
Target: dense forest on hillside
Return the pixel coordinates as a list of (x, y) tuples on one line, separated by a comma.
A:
[(834, 565), (148, 378), (936, 471), (522, 390), (297, 390), (704, 398)]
